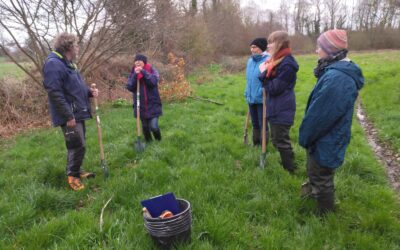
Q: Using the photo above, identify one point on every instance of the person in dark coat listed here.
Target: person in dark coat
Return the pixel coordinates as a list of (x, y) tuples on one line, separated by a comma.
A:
[(150, 101), (326, 128), (69, 104), (253, 91), (279, 78)]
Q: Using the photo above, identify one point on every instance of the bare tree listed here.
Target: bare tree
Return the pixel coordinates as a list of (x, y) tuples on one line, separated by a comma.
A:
[(301, 15), (332, 7), (284, 14), (100, 32)]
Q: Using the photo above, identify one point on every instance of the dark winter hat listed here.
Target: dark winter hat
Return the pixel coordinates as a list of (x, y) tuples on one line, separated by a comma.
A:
[(142, 58), (260, 42)]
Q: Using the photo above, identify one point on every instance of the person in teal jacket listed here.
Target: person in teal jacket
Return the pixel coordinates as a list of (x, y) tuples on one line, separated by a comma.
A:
[(253, 91), (326, 128)]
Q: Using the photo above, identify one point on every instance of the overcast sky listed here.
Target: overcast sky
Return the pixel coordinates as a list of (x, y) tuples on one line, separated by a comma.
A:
[(264, 4)]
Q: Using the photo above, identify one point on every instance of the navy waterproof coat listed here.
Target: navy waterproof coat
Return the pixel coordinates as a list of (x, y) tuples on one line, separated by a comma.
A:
[(281, 100), (150, 101), (67, 92), (326, 127)]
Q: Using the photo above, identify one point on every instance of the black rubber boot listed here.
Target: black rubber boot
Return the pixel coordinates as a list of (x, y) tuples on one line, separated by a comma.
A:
[(287, 157), (157, 135), (256, 137), (147, 135), (326, 203)]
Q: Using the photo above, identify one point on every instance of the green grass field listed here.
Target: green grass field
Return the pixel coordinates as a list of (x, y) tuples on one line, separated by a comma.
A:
[(9, 69), (202, 159), (380, 96)]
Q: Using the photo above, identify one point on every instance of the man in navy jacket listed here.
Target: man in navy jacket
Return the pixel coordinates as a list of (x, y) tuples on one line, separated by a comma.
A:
[(69, 103)]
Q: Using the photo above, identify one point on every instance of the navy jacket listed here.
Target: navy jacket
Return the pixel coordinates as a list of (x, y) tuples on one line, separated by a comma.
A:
[(281, 100), (150, 101), (326, 127), (67, 92)]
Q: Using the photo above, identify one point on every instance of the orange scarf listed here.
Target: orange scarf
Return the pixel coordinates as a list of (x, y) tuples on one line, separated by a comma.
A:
[(274, 61)]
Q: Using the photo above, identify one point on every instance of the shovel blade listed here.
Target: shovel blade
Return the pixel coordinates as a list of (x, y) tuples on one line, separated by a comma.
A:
[(139, 145), (263, 159), (104, 167)]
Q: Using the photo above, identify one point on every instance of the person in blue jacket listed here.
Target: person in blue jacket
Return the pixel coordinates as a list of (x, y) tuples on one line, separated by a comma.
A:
[(150, 101), (253, 91), (279, 74), (69, 104), (326, 128)]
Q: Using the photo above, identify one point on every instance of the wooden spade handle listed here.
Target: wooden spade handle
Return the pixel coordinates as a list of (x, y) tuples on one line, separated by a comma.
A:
[(138, 128), (264, 125), (99, 133)]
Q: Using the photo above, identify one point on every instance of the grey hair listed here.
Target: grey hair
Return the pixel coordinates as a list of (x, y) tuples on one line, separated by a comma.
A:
[(64, 42)]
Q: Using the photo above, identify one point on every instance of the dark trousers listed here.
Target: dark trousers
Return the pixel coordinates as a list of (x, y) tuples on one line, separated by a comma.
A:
[(281, 141), (256, 113), (320, 178), (280, 137), (75, 143), (151, 125)]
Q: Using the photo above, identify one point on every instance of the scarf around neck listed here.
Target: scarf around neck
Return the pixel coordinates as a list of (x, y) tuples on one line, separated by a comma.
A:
[(325, 62), (274, 61)]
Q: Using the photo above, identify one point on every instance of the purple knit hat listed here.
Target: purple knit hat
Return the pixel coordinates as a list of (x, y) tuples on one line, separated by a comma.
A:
[(332, 41)]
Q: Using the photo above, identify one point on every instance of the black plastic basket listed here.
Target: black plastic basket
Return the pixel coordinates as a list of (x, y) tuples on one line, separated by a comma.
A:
[(173, 230)]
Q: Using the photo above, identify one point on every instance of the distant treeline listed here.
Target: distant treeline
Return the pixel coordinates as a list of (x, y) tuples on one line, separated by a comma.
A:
[(200, 31)]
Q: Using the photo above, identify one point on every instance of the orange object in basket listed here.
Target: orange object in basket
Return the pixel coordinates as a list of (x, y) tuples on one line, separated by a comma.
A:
[(166, 214)]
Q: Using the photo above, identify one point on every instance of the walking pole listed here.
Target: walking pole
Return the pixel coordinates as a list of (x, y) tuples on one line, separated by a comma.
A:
[(103, 163)]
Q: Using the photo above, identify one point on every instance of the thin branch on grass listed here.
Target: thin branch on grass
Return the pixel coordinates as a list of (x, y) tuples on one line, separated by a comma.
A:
[(101, 223), (206, 100)]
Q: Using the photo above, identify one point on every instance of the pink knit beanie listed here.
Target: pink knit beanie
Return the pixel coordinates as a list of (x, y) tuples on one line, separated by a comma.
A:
[(332, 41)]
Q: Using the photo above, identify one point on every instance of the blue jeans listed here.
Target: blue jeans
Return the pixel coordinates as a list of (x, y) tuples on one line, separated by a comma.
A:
[(150, 124), (256, 113)]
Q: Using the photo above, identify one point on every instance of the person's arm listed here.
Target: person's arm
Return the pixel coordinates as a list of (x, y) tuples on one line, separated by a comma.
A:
[(89, 91), (53, 85), (328, 105), (263, 77), (132, 79), (151, 79), (284, 80)]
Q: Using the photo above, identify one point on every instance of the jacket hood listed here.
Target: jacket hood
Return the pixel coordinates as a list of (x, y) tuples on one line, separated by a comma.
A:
[(53, 55), (351, 69), (259, 57), (58, 56)]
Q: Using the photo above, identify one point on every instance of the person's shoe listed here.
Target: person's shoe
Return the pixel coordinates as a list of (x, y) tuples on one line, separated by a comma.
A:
[(147, 135), (287, 157), (306, 190), (326, 204), (75, 183), (86, 175), (157, 135)]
